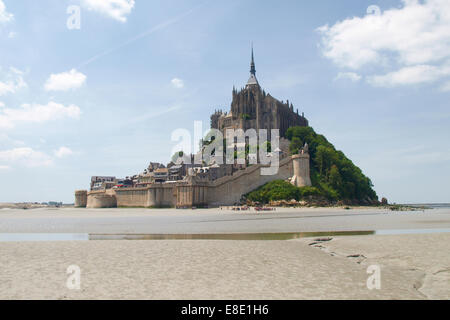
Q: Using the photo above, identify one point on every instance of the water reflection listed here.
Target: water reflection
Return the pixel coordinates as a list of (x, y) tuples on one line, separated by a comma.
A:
[(38, 237), (410, 231), (228, 236), (19, 237)]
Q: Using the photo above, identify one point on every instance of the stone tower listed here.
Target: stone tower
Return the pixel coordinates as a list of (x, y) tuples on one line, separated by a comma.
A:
[(80, 199), (300, 163)]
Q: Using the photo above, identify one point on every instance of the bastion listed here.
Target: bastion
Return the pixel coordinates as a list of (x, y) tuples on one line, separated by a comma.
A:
[(102, 199), (80, 199)]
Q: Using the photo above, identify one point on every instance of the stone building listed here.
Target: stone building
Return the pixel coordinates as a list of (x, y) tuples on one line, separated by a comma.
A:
[(101, 182), (252, 108)]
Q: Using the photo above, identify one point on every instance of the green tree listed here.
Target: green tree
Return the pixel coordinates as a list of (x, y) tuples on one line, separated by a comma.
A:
[(335, 179), (296, 145)]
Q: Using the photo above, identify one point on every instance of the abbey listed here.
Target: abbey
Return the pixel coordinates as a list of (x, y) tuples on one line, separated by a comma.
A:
[(186, 184), (252, 108)]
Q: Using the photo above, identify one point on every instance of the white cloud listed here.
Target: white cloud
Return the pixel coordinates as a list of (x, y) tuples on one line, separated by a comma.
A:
[(2, 105), (36, 113), (12, 82), (26, 157), (348, 76), (65, 81), (116, 9), (177, 83), (12, 34), (63, 152), (414, 38), (410, 75), (4, 15)]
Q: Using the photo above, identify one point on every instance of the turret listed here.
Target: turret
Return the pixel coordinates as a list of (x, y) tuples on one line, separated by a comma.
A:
[(301, 168), (80, 198)]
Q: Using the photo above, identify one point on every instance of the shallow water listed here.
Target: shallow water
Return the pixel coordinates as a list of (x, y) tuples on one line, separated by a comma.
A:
[(229, 236), (39, 237), (411, 231), (19, 237)]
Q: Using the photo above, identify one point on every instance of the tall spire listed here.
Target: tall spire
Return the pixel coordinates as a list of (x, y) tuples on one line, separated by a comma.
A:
[(252, 80), (252, 65)]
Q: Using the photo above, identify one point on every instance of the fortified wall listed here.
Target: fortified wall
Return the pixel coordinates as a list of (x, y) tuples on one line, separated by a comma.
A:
[(229, 190), (157, 195), (191, 192)]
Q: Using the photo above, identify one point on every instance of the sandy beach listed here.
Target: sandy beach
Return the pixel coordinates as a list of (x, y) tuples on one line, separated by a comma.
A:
[(413, 266)]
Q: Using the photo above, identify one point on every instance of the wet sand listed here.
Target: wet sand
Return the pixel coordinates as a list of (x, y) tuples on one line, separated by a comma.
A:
[(412, 267), (171, 221)]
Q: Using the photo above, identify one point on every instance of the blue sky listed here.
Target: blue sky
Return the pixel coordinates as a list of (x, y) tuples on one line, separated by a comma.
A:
[(105, 98)]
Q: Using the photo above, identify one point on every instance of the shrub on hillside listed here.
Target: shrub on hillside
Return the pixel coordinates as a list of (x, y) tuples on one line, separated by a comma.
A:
[(281, 190)]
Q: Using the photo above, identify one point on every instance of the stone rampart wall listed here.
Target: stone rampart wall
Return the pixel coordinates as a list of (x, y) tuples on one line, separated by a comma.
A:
[(229, 190), (224, 191)]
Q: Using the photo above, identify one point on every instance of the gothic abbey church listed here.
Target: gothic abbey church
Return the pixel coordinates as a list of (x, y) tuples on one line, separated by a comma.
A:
[(252, 108)]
